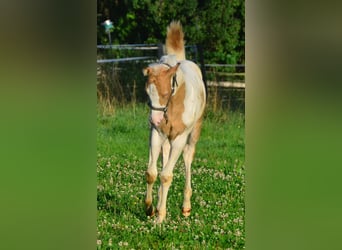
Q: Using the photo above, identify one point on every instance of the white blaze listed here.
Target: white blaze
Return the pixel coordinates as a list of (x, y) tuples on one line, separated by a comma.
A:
[(156, 116)]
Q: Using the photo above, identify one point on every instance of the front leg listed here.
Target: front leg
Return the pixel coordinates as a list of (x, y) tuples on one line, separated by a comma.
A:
[(167, 174), (156, 140), (166, 153)]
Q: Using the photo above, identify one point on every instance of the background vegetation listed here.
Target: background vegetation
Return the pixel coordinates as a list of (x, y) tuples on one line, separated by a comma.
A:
[(216, 25), (218, 181)]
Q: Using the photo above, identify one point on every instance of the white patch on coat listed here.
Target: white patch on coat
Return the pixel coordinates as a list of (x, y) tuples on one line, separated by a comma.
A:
[(194, 92)]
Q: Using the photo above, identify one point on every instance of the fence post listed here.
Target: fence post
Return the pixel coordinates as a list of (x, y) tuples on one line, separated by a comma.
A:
[(160, 50)]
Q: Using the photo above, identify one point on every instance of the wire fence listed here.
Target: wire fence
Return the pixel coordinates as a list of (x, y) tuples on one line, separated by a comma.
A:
[(120, 78)]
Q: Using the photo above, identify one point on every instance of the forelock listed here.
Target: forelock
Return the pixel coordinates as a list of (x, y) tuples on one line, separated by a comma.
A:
[(156, 68)]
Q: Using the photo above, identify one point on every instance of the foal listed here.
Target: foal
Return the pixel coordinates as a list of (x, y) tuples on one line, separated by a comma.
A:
[(177, 99)]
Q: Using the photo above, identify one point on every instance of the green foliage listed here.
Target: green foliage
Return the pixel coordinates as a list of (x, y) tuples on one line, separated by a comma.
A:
[(218, 181), (215, 24)]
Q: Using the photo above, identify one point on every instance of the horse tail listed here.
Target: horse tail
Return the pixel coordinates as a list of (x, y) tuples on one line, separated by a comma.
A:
[(175, 40)]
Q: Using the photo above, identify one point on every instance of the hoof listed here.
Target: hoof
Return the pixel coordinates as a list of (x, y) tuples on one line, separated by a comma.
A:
[(150, 211), (160, 218), (186, 211)]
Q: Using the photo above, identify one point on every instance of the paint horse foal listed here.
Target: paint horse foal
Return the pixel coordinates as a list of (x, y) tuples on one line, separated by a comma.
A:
[(177, 100)]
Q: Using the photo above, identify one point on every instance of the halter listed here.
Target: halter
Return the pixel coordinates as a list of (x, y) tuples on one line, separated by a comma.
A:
[(173, 86)]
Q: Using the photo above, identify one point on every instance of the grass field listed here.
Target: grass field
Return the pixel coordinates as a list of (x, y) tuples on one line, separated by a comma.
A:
[(218, 183)]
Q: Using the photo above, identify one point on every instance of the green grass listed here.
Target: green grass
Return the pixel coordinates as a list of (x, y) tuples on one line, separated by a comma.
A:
[(218, 183)]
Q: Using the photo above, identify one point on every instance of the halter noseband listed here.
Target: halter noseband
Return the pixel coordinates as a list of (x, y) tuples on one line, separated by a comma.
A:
[(173, 85)]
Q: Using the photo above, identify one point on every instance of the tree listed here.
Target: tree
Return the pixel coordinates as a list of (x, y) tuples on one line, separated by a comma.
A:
[(218, 25)]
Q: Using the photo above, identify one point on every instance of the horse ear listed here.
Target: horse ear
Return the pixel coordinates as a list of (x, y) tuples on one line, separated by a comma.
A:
[(146, 71), (174, 69)]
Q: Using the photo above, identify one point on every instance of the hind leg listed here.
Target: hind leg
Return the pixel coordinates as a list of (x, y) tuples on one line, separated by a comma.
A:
[(188, 156), (166, 153)]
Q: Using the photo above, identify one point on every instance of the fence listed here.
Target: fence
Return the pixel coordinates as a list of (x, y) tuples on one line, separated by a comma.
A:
[(120, 77)]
